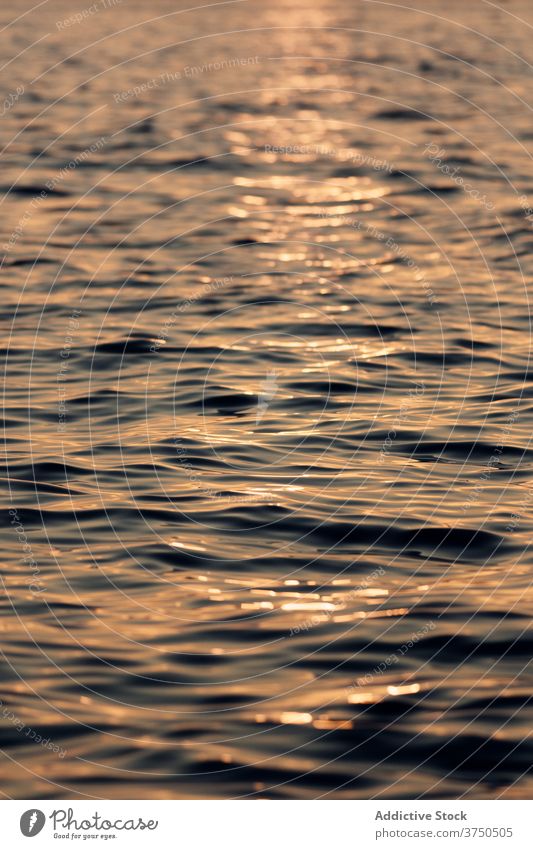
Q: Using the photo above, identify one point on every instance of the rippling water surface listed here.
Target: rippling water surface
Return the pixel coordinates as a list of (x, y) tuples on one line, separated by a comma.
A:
[(267, 400)]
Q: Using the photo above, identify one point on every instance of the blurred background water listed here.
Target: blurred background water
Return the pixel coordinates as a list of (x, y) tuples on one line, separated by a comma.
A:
[(267, 394)]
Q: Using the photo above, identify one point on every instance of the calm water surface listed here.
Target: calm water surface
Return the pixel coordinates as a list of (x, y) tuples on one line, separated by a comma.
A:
[(265, 319)]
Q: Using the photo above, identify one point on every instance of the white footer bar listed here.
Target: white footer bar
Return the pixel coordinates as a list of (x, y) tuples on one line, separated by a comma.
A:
[(268, 824)]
